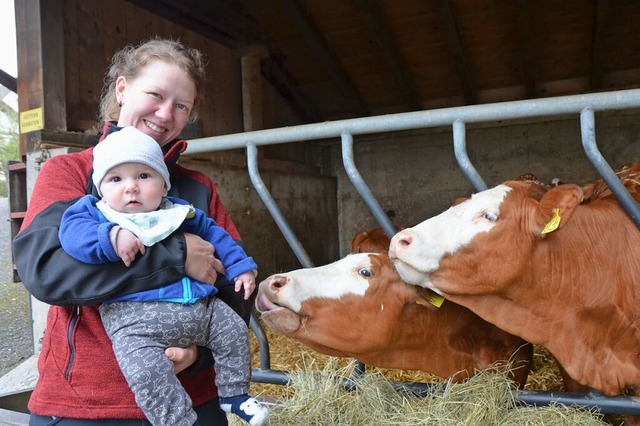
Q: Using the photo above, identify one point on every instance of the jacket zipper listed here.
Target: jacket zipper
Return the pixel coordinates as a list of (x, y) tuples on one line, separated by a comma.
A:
[(72, 349)]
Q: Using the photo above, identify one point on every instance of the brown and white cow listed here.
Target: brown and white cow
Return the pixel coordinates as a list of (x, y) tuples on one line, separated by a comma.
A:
[(358, 307), (560, 268)]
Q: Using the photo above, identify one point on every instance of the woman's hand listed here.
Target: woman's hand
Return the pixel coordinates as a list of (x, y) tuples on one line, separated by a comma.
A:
[(201, 264), (182, 357)]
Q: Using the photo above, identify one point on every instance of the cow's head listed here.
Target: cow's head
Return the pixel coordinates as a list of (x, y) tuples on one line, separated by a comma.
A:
[(347, 308), (482, 241), (359, 307)]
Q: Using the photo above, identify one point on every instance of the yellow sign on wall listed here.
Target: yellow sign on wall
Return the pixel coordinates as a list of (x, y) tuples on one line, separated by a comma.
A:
[(31, 120)]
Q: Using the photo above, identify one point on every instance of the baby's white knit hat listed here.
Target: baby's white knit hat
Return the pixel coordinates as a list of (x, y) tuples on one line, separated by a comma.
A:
[(128, 145)]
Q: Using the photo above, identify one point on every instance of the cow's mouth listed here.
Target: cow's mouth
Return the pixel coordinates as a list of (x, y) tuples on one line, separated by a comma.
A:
[(264, 304), (278, 318)]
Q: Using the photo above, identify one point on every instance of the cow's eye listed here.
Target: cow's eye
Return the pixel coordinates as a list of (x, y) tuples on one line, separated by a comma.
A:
[(365, 272), (490, 216)]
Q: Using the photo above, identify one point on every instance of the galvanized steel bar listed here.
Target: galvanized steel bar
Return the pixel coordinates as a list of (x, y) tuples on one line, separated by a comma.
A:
[(460, 150), (625, 405), (582, 104), (361, 186), (267, 199), (588, 130), (562, 105), (263, 342), (629, 405)]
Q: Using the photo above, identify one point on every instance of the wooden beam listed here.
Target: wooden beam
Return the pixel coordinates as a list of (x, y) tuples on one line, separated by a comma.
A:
[(303, 21), (465, 78), (9, 81), (69, 139), (378, 24), (41, 81), (220, 22), (250, 60), (288, 88), (182, 13), (603, 9), (526, 48)]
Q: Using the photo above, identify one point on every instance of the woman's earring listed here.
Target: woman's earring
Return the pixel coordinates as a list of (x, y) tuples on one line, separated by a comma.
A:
[(120, 104)]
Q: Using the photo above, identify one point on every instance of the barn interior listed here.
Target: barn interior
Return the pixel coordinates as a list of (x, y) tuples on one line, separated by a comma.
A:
[(287, 63)]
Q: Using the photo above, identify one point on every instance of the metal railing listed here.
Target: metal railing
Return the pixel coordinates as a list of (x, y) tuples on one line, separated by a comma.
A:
[(458, 117)]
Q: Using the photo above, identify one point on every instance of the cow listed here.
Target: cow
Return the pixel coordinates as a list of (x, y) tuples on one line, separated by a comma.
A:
[(359, 308), (559, 267), (373, 240)]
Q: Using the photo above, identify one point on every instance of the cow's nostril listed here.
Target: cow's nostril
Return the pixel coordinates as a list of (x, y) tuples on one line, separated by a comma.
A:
[(404, 240), (278, 282)]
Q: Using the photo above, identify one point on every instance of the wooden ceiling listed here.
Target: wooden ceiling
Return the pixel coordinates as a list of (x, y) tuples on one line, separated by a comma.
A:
[(335, 59)]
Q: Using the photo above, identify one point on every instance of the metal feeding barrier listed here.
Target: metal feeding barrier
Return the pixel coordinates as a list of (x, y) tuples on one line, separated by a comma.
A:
[(457, 117)]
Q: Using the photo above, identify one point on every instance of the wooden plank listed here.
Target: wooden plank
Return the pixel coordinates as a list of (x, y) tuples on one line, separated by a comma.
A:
[(16, 167), (182, 14), (526, 49), (303, 21), (72, 64), (251, 89), (403, 79), (8, 81), (53, 78), (40, 42), (603, 9), (92, 61), (13, 418), (465, 77)]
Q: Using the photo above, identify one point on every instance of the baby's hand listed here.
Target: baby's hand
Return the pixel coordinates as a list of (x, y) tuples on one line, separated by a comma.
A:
[(127, 246), (248, 281)]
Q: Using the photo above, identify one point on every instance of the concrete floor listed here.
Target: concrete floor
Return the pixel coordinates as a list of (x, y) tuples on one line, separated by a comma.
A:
[(16, 338)]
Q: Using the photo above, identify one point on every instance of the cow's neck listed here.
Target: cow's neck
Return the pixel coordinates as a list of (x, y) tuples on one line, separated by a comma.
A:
[(578, 299)]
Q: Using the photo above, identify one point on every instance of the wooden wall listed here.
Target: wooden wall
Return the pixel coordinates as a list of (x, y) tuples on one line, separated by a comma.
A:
[(65, 48), (94, 30)]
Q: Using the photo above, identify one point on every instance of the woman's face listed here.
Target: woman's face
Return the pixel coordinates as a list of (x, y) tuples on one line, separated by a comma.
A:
[(158, 101)]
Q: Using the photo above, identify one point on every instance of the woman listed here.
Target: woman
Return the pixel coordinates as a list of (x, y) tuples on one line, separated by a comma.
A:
[(154, 87)]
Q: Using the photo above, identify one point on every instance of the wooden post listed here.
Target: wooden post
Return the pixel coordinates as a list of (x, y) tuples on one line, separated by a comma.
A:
[(41, 83), (250, 59)]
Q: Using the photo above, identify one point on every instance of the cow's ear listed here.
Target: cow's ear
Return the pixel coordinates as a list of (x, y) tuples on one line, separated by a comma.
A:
[(556, 207)]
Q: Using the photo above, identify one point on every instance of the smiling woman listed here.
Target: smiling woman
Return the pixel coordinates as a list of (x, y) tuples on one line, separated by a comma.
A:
[(160, 107)]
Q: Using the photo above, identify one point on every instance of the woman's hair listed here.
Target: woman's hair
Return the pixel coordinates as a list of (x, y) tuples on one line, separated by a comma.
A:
[(129, 61)]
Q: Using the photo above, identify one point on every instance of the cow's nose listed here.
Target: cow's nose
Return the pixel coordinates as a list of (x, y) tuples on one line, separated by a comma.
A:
[(400, 241), (278, 281)]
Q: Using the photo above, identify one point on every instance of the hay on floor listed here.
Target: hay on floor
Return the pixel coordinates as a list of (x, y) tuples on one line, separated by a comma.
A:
[(319, 397), (287, 354)]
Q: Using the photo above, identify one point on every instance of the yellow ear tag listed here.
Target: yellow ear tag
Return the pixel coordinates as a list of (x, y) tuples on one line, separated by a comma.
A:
[(553, 223), (435, 299)]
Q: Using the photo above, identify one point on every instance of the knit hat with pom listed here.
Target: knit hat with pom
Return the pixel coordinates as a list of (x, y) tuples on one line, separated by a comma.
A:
[(128, 145)]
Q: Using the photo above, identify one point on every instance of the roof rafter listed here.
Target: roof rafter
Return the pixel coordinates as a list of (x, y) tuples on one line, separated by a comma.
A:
[(405, 82), (455, 47), (303, 21), (8, 81), (603, 9), (526, 47), (230, 28)]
